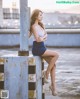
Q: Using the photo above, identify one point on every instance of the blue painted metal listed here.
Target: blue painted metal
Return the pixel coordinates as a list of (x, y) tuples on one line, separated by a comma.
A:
[(54, 39), (16, 68), (9, 39), (24, 25), (38, 77), (16, 77), (71, 40)]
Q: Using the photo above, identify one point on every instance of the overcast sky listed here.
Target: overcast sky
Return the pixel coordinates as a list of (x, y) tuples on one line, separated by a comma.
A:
[(45, 5)]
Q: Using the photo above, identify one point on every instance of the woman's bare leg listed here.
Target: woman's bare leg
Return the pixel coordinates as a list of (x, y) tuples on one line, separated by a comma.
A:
[(54, 56), (52, 72), (51, 65)]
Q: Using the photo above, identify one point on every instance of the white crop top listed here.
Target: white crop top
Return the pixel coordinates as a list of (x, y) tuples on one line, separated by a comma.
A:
[(40, 32)]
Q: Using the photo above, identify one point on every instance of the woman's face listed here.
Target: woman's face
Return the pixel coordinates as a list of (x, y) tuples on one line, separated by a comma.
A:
[(40, 16)]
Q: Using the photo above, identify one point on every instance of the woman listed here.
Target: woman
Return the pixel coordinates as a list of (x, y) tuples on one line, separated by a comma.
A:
[(39, 49)]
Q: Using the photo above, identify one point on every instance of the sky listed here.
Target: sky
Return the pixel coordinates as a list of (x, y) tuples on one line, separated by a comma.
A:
[(46, 5)]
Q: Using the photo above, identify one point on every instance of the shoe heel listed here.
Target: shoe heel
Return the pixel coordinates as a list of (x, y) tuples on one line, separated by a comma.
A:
[(54, 93), (44, 76)]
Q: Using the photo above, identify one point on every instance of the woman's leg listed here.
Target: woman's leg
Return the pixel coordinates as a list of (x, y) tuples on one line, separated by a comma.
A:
[(52, 74), (54, 56)]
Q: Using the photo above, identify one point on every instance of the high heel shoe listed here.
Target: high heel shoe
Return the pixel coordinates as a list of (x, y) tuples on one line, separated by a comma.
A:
[(54, 93), (44, 76)]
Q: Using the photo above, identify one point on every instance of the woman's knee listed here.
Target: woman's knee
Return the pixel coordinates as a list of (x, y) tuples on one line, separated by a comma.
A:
[(56, 54), (54, 66)]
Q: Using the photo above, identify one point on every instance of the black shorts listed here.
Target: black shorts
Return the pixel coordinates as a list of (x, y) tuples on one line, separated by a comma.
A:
[(38, 48)]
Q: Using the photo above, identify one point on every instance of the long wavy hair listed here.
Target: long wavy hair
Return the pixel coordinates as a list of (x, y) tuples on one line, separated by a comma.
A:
[(34, 14)]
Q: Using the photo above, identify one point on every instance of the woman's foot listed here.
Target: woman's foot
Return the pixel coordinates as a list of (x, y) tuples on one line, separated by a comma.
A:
[(45, 76), (54, 92)]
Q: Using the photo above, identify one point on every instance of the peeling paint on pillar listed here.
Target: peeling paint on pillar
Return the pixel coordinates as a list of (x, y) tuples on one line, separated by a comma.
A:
[(16, 77)]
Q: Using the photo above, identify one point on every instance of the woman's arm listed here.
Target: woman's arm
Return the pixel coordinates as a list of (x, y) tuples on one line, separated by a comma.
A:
[(37, 37), (45, 35), (45, 31)]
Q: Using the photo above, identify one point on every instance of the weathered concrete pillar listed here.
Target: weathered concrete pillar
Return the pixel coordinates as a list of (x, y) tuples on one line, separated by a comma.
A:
[(14, 77), (1, 13), (24, 27)]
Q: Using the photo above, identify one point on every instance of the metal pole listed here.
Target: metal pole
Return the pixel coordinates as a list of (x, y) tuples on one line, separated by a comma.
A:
[(24, 27)]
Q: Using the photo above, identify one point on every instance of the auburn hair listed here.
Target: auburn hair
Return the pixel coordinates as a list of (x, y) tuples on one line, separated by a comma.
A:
[(35, 14)]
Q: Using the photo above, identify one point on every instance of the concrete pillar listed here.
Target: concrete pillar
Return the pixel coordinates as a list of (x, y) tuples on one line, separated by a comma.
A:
[(1, 13), (24, 27)]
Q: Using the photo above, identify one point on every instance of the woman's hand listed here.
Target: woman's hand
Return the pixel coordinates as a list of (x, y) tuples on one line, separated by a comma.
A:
[(45, 36)]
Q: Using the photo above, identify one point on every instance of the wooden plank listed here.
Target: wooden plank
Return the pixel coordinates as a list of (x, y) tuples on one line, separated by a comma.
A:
[(42, 65), (16, 77), (32, 69), (42, 81), (43, 95), (1, 84), (2, 60), (1, 68), (32, 86), (31, 77), (42, 69), (31, 60), (23, 53), (38, 77), (1, 76), (32, 98), (32, 94)]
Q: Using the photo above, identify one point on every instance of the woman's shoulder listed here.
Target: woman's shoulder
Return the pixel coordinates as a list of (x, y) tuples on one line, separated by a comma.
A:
[(34, 26)]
